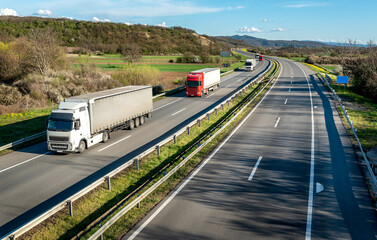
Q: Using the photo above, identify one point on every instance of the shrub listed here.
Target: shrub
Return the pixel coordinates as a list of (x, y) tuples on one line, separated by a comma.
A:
[(9, 95)]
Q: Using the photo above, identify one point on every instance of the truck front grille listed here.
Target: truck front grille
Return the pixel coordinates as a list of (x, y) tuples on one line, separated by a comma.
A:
[(59, 147), (59, 139)]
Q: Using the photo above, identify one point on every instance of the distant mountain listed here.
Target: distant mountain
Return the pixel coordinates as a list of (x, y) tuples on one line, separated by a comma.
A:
[(343, 44), (260, 42)]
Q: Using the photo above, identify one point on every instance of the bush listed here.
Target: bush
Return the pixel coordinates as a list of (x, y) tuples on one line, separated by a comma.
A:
[(9, 95), (140, 75)]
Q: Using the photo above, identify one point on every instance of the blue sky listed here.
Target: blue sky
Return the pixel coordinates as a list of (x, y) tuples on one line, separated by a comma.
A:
[(332, 20)]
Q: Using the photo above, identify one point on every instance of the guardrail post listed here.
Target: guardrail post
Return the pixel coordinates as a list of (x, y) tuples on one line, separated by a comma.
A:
[(137, 164), (175, 139), (158, 150), (188, 130), (216, 111), (222, 106), (70, 209), (228, 102), (101, 237), (208, 116), (233, 99), (12, 237), (108, 183), (199, 122), (138, 204)]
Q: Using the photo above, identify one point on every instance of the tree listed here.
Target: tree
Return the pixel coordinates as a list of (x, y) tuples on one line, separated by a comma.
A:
[(130, 53)]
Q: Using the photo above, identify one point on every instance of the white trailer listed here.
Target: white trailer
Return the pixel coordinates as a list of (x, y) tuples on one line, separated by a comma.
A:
[(250, 64), (82, 121)]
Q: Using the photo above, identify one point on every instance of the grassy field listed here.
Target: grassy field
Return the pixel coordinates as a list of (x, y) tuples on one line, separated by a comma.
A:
[(160, 67), (362, 111)]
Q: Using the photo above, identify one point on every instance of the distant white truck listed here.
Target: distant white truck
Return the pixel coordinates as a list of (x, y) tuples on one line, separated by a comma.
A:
[(250, 64), (82, 121)]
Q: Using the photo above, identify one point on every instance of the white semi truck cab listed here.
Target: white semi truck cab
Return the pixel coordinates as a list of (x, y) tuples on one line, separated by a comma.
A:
[(82, 121)]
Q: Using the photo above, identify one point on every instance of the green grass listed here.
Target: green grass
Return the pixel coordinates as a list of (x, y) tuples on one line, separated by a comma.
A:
[(160, 67), (15, 126), (298, 59), (363, 113)]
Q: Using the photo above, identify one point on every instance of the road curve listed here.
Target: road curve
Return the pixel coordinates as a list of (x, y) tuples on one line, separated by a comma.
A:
[(288, 172), (33, 180)]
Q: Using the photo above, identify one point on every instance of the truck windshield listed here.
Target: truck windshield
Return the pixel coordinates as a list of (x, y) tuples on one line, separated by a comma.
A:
[(193, 83), (248, 64), (59, 125)]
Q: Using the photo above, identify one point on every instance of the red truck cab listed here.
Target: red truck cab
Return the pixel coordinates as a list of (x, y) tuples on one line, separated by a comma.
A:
[(260, 57), (194, 84)]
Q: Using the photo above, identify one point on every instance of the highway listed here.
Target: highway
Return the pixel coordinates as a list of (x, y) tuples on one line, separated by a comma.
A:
[(32, 180), (288, 171)]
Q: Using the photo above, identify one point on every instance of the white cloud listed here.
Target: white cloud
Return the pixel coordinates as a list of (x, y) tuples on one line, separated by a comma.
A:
[(163, 24), (8, 12), (43, 12), (265, 20), (248, 30), (96, 19), (305, 5), (279, 30)]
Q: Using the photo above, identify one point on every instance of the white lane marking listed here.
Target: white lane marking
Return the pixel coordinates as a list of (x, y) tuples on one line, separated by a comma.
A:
[(114, 143), (311, 184), (167, 104), (286, 100), (18, 164), (254, 169), (210, 95), (178, 111), (319, 187), (277, 122), (228, 85), (185, 182)]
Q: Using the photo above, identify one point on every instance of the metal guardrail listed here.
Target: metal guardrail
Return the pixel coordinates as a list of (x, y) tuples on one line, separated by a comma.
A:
[(69, 201), (22, 140), (142, 196), (326, 81)]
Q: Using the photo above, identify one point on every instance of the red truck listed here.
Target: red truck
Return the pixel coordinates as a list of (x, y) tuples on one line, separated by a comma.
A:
[(199, 82), (260, 57)]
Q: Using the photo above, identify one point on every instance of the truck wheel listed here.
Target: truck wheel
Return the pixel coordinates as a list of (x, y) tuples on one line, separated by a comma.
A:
[(105, 136), (82, 146), (137, 122), (132, 124), (142, 120)]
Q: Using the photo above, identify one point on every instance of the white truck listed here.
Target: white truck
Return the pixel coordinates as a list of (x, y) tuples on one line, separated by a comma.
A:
[(250, 64), (82, 121), (199, 82)]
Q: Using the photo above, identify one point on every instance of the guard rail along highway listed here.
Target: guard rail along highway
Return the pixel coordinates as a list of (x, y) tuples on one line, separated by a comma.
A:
[(372, 177), (122, 212), (69, 201)]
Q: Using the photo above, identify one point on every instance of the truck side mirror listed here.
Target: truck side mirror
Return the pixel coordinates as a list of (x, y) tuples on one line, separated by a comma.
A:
[(77, 125)]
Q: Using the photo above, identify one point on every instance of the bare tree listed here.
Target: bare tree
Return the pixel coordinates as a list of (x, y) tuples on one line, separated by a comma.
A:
[(130, 53), (44, 49)]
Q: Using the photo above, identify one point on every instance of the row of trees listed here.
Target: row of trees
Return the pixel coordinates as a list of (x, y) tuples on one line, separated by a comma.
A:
[(109, 37)]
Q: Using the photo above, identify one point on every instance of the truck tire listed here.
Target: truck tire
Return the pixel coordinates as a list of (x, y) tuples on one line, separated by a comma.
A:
[(105, 136), (132, 124), (142, 120), (82, 146), (137, 122)]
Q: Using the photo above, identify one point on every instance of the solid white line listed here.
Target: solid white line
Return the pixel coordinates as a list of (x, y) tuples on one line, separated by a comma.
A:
[(311, 184), (286, 100), (210, 95), (254, 169), (114, 143), (167, 104), (185, 182), (178, 111), (18, 164), (277, 122)]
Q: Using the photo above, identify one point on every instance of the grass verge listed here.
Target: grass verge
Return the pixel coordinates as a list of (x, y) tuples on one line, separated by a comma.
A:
[(93, 205)]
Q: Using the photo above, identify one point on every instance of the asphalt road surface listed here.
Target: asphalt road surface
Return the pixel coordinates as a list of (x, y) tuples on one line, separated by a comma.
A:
[(33, 180), (288, 172)]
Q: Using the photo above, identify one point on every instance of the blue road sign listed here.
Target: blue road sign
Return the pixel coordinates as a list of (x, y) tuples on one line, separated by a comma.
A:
[(342, 79)]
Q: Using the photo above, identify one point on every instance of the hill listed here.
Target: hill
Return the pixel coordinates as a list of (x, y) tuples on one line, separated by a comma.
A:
[(260, 42), (108, 37)]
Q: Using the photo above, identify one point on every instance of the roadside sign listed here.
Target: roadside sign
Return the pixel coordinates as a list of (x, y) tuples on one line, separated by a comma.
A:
[(342, 79)]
